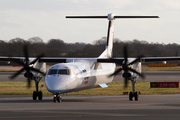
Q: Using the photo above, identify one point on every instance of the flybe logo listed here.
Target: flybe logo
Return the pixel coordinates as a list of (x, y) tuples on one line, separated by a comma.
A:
[(85, 82)]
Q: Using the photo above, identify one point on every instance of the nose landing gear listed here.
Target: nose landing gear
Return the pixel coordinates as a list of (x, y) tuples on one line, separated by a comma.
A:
[(57, 98)]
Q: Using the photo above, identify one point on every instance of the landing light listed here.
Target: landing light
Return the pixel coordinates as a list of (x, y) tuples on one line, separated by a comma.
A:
[(164, 62)]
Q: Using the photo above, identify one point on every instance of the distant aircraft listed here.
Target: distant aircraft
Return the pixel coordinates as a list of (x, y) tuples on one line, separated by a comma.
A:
[(74, 74)]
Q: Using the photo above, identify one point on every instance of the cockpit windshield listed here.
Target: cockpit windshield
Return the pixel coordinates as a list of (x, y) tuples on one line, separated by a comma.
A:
[(60, 72), (63, 72), (52, 72)]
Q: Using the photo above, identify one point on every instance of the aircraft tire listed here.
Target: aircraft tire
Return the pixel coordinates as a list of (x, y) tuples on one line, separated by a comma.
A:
[(55, 99), (59, 99), (136, 95), (130, 96), (34, 95), (40, 95)]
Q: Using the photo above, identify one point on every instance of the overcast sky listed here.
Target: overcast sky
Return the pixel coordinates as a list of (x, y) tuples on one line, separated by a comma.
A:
[(46, 19)]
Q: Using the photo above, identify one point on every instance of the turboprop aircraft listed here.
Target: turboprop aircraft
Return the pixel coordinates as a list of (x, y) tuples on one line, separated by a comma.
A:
[(74, 74)]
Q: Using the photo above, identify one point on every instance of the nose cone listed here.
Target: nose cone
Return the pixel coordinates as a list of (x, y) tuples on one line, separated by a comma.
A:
[(57, 83)]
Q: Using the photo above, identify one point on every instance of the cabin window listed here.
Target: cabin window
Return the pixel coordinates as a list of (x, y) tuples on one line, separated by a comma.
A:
[(52, 72)]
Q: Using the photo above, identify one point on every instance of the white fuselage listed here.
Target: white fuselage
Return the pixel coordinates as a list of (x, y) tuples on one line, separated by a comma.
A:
[(75, 76)]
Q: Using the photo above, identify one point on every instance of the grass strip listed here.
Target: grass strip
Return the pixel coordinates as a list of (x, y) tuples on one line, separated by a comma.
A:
[(115, 88)]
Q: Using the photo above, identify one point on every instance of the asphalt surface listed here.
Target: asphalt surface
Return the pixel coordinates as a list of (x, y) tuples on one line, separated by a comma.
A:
[(156, 107), (148, 107)]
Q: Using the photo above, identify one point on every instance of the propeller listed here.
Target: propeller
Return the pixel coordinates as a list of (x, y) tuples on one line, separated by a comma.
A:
[(126, 68), (27, 66)]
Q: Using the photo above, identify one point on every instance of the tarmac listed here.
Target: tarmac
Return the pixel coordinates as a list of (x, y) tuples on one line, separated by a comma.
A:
[(156, 107)]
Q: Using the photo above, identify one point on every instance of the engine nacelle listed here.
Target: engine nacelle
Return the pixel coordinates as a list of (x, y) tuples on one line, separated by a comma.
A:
[(30, 75), (128, 75)]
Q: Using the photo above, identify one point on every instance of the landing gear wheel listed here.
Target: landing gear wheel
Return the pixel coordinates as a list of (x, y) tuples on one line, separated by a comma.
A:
[(40, 95), (34, 95), (59, 99), (55, 99), (136, 95), (130, 96)]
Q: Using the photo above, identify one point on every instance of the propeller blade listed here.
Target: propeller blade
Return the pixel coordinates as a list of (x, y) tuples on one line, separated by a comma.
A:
[(125, 54), (34, 61), (140, 74), (26, 54), (29, 82), (116, 72), (26, 66), (28, 78), (126, 68), (36, 70), (126, 80), (17, 73), (136, 60)]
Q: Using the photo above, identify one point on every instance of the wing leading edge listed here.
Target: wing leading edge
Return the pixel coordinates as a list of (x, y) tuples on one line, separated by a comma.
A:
[(101, 60)]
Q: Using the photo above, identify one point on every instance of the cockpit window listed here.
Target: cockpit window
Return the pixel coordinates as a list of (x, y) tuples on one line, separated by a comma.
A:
[(63, 72), (60, 72), (52, 72)]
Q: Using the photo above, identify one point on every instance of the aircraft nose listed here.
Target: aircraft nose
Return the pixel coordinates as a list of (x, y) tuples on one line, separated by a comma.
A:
[(56, 84)]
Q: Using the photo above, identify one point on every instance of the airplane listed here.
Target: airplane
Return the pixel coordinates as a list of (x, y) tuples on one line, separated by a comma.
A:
[(75, 74)]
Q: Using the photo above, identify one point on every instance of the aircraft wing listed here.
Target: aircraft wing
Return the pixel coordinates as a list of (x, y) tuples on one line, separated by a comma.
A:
[(12, 58), (102, 60), (109, 60), (155, 59), (63, 60)]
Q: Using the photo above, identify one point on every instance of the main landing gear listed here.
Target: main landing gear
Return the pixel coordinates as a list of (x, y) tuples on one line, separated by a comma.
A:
[(37, 94), (57, 98), (133, 93)]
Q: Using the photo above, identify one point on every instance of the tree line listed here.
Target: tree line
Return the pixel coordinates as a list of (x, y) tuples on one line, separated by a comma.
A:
[(58, 48)]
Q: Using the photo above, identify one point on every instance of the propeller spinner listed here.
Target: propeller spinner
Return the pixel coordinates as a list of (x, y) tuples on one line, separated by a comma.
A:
[(126, 67), (27, 66)]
